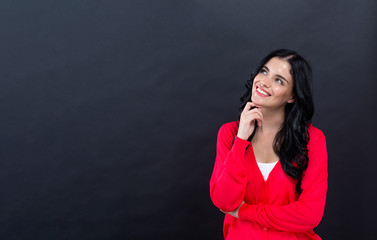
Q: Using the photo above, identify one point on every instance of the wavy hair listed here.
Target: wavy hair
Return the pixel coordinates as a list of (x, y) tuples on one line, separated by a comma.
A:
[(290, 143)]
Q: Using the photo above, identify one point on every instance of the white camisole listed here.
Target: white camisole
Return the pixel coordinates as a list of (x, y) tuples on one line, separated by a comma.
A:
[(266, 168)]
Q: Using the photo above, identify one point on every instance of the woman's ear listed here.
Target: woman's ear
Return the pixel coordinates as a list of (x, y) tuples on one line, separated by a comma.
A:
[(292, 99)]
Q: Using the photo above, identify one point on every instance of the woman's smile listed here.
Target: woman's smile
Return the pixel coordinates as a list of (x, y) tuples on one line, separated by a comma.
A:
[(262, 92)]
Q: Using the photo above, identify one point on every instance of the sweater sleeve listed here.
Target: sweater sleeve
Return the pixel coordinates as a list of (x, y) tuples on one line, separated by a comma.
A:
[(305, 213), (228, 180)]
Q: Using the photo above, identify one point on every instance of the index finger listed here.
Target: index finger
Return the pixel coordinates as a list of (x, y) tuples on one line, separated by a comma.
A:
[(249, 105)]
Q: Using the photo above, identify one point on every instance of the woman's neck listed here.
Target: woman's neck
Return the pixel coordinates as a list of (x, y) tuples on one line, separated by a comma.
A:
[(272, 120)]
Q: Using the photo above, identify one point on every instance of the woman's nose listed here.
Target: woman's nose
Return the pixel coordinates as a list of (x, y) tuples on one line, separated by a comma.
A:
[(265, 82)]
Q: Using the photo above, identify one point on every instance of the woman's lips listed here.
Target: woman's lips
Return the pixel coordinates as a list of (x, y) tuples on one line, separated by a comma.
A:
[(262, 92)]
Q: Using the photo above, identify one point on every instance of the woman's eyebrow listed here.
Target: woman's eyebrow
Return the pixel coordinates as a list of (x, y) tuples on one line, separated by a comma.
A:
[(280, 76)]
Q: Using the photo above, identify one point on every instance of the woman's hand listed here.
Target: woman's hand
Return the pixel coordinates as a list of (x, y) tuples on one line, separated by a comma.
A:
[(233, 213), (249, 115)]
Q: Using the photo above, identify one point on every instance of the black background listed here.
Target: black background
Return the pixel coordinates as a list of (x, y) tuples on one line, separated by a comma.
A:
[(110, 110)]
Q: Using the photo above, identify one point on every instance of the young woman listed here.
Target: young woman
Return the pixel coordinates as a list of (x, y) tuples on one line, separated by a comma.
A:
[(270, 174)]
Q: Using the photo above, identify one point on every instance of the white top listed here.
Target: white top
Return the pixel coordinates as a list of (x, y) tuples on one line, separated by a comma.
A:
[(266, 168)]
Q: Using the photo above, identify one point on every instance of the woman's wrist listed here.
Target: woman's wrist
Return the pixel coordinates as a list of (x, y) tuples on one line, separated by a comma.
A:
[(242, 136)]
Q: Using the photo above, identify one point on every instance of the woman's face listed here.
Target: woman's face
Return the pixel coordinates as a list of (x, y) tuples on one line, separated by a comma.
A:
[(273, 85)]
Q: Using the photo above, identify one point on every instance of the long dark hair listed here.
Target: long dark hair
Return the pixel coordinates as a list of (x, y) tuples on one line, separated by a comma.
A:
[(291, 141)]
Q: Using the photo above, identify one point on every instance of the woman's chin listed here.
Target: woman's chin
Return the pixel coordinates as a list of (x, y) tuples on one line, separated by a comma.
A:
[(256, 102)]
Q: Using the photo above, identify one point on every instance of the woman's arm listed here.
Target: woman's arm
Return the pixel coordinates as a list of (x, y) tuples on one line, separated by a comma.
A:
[(305, 213), (228, 181)]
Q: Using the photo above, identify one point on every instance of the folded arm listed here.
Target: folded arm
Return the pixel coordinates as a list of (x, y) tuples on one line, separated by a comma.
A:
[(305, 213)]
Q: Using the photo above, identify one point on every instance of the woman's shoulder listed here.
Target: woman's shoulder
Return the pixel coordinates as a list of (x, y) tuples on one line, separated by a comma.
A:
[(314, 131), (316, 135), (230, 128)]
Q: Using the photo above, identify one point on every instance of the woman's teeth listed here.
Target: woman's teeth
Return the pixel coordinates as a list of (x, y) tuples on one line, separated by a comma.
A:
[(262, 92)]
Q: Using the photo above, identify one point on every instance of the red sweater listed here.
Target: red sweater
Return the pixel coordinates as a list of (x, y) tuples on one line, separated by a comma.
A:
[(272, 208)]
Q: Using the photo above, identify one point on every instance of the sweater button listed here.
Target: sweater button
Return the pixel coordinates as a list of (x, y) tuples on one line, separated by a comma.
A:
[(264, 229)]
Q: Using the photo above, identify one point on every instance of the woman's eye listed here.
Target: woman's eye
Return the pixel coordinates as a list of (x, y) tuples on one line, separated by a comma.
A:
[(263, 71), (279, 81)]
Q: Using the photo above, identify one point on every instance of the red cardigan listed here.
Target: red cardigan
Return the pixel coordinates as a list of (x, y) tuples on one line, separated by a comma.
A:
[(272, 208)]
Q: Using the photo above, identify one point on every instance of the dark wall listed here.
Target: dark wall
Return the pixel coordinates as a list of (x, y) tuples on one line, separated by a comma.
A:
[(110, 111)]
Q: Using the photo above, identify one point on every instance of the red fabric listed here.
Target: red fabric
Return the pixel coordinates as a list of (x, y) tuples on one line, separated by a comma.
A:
[(272, 208)]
